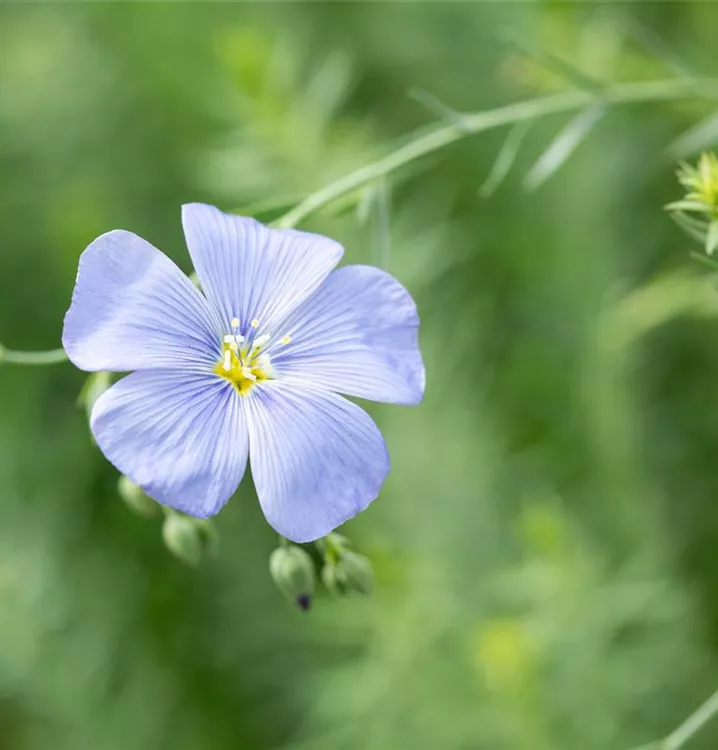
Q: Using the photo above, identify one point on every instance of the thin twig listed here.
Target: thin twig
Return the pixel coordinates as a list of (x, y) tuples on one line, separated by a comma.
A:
[(443, 135)]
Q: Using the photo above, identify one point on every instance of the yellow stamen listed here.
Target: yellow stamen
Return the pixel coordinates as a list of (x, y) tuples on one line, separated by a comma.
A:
[(243, 367)]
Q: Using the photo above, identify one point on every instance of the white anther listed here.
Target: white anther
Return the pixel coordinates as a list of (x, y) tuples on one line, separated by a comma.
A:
[(247, 373), (227, 364), (261, 340), (233, 340), (264, 362), (235, 322)]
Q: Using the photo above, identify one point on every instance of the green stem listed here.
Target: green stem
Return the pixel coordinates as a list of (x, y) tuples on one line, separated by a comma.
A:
[(49, 357), (442, 135), (688, 729), (426, 142)]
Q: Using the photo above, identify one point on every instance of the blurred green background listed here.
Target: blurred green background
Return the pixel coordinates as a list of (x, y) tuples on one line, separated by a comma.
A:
[(546, 547)]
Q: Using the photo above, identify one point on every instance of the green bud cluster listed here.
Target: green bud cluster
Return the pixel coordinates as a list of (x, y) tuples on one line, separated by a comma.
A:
[(345, 571)]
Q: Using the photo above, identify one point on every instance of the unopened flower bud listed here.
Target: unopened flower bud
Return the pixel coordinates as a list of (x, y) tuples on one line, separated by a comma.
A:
[(334, 579), (359, 572), (352, 574), (135, 498), (183, 538), (292, 569)]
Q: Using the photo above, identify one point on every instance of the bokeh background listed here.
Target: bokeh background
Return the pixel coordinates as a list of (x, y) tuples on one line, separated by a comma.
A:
[(546, 547)]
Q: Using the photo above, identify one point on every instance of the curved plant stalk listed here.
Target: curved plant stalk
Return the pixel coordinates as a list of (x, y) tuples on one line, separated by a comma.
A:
[(441, 135), (470, 124), (47, 357), (688, 729)]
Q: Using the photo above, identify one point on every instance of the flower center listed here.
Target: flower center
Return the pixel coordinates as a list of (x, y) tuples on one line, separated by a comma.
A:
[(244, 362)]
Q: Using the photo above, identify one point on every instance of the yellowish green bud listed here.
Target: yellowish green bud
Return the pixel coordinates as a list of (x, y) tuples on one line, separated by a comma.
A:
[(333, 579), (95, 385), (353, 573), (135, 498), (292, 569), (359, 572), (183, 538)]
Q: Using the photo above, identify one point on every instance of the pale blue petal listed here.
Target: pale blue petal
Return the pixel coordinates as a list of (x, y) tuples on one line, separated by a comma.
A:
[(181, 436), (133, 309), (317, 459), (252, 272), (357, 334)]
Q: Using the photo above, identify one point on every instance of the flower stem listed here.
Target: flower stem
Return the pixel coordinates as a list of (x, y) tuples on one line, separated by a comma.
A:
[(49, 357), (427, 141), (688, 729), (442, 135)]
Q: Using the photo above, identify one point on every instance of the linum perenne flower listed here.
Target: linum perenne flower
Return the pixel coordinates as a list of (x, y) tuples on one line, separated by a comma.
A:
[(249, 367)]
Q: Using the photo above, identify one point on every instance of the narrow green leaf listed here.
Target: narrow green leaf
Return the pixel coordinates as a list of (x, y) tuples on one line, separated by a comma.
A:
[(702, 136), (712, 237), (685, 205), (505, 158), (692, 227), (704, 260), (364, 204), (654, 44), (561, 148), (566, 70), (438, 107), (350, 200), (331, 85), (382, 223), (698, 224)]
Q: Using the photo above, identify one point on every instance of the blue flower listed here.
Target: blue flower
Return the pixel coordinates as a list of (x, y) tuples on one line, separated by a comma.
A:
[(251, 368)]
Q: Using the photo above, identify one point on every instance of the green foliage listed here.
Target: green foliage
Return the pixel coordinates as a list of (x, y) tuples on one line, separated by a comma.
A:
[(544, 550)]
